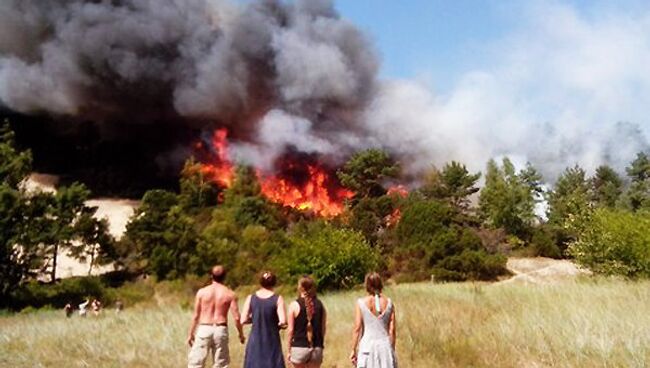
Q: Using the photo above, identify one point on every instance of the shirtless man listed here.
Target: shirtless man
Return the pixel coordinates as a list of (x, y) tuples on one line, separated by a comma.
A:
[(210, 322)]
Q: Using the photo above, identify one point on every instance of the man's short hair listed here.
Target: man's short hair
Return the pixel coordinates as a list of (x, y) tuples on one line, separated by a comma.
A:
[(218, 273)]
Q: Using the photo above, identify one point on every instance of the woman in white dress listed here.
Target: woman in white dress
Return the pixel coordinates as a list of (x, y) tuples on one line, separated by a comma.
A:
[(373, 337)]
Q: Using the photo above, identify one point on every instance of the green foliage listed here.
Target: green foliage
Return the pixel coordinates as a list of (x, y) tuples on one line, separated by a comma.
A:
[(569, 196), (613, 242), (470, 265), (369, 215), (639, 169), (257, 211), (637, 196), (245, 184), (606, 187), (145, 231), (366, 171), (72, 290), (15, 165), (432, 243), (336, 258), (196, 191), (508, 199), (545, 241), (454, 184)]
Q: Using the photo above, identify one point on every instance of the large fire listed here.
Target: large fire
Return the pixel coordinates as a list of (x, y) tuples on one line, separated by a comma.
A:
[(298, 182)]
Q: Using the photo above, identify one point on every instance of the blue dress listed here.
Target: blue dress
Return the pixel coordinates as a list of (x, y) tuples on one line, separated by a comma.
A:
[(264, 349)]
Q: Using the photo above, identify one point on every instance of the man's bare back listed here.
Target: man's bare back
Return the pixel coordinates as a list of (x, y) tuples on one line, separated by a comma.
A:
[(214, 302)]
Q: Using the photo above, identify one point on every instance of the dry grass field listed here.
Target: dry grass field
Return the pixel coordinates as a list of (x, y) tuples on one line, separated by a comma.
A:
[(574, 323)]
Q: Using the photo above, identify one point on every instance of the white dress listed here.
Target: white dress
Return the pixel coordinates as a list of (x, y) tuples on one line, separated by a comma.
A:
[(375, 350)]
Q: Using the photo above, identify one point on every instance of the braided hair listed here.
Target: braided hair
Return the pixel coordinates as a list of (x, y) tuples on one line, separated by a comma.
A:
[(307, 290)]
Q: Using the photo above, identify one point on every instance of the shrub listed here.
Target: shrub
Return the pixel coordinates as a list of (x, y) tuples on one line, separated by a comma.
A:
[(544, 243), (336, 258), (613, 242), (75, 289), (470, 265)]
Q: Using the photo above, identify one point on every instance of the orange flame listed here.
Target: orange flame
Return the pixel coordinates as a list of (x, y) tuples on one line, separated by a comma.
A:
[(394, 218), (313, 195), (220, 169), (319, 193)]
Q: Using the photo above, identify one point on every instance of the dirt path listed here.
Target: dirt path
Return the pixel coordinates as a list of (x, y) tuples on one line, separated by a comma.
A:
[(540, 270)]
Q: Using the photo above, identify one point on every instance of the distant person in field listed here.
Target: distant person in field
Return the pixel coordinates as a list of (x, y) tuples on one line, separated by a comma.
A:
[(82, 308), (68, 310), (374, 323), (96, 305), (306, 320), (209, 327), (265, 310), (119, 306)]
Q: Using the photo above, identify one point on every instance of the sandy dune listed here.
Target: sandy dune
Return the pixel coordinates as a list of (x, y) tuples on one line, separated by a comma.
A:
[(116, 211)]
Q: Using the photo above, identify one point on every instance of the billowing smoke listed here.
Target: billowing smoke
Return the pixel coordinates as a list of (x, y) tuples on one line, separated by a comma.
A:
[(295, 76), (275, 74)]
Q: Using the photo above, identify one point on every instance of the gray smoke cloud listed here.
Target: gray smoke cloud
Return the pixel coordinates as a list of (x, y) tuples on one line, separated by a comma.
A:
[(209, 61), (296, 75)]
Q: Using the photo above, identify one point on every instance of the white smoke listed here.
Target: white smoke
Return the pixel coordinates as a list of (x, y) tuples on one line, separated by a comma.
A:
[(565, 89)]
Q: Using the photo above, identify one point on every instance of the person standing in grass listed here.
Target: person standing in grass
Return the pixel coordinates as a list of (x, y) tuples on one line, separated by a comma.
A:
[(375, 316), (209, 326), (265, 310), (306, 320)]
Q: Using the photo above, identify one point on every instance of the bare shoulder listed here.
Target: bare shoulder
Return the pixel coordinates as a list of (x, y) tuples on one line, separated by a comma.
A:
[(230, 294), (202, 291)]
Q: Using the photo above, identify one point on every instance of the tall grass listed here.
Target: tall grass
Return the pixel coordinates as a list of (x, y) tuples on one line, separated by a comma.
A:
[(587, 323)]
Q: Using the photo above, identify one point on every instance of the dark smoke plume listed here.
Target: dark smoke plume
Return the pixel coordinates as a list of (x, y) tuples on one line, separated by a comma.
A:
[(275, 74)]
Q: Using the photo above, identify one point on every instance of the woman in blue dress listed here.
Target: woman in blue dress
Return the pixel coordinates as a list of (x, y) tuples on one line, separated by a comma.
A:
[(265, 310)]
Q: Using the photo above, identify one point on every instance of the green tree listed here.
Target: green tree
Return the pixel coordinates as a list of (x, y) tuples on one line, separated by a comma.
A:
[(453, 184), (15, 165), (245, 184), (606, 187), (366, 171), (65, 211), (145, 230), (196, 190), (96, 245), (569, 196), (508, 199), (637, 196), (613, 242)]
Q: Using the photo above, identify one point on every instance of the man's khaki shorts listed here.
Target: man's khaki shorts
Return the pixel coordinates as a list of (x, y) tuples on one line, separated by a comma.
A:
[(209, 338), (306, 355)]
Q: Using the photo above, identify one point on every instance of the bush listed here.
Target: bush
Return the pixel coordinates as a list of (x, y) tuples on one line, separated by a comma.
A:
[(544, 243), (471, 265), (75, 289), (336, 258), (613, 242)]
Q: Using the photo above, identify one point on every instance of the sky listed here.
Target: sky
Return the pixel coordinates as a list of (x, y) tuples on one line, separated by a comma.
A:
[(553, 82), (439, 40)]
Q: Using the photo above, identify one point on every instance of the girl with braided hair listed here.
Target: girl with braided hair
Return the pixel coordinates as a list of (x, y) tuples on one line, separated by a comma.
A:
[(306, 327)]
